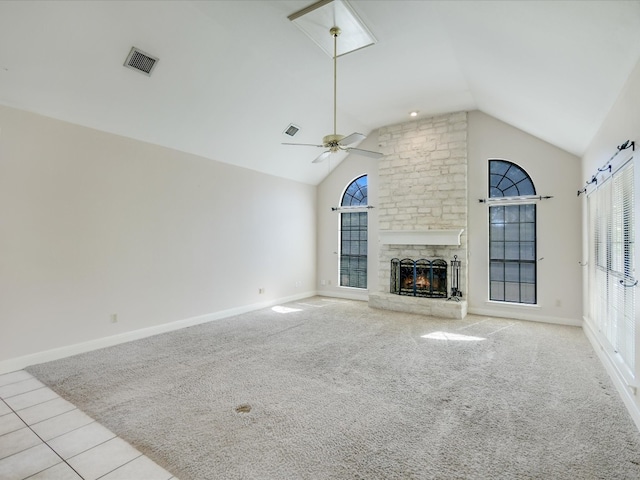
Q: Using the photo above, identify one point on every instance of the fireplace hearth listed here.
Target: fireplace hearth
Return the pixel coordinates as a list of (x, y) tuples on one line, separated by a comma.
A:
[(419, 278)]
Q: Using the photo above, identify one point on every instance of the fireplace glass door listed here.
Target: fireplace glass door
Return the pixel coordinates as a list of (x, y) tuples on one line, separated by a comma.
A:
[(419, 278)]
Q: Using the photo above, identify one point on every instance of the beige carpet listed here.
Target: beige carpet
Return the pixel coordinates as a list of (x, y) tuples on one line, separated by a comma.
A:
[(331, 389)]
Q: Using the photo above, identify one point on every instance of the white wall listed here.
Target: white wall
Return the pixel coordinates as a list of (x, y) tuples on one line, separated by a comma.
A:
[(329, 195), (554, 172), (621, 124), (93, 224)]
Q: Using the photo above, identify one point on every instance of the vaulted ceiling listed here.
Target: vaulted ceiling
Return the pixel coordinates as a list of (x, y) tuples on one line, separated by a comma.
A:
[(232, 75)]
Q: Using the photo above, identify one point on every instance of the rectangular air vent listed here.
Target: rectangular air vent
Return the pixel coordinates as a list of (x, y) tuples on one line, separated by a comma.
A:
[(140, 61), (291, 130)]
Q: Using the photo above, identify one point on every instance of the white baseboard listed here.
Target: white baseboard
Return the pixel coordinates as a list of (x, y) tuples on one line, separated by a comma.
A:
[(524, 315), (628, 398), (18, 363), (346, 294)]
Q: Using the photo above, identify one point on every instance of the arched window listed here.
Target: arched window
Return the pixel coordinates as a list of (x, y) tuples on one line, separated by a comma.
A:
[(512, 234), (507, 179), (353, 234), (356, 193)]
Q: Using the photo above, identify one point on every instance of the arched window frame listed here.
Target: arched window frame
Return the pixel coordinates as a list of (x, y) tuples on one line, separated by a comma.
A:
[(353, 233), (359, 194), (512, 234), (508, 179)]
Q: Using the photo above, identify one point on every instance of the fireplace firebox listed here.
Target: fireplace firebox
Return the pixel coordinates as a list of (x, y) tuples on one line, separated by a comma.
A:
[(419, 278)]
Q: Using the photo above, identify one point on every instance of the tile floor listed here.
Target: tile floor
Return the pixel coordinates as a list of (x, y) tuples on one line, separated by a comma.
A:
[(42, 436)]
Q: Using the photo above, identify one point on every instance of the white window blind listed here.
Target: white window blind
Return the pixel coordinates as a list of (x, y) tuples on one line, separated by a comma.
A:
[(612, 270)]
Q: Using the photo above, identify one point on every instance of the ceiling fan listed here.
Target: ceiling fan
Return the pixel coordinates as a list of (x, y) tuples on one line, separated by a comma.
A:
[(336, 142)]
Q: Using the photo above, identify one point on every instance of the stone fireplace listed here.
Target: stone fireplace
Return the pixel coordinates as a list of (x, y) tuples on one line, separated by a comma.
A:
[(422, 209)]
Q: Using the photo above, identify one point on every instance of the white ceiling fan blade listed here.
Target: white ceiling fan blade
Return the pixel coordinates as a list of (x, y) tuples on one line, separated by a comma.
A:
[(366, 153), (322, 157), (353, 138), (303, 144)]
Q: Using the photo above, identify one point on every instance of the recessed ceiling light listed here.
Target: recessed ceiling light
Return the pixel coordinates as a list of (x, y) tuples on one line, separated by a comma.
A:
[(414, 113)]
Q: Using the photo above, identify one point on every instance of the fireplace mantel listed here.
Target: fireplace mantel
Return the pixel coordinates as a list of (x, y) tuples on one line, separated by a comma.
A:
[(421, 237)]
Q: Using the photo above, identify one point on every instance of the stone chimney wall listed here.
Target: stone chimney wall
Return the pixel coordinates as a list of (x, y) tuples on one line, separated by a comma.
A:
[(423, 186)]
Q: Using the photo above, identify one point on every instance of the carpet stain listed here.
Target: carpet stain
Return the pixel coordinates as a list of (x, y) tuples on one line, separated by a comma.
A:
[(244, 408)]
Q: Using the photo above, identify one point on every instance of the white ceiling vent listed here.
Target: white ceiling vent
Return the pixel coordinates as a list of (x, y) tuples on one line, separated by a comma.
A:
[(291, 130), (140, 61)]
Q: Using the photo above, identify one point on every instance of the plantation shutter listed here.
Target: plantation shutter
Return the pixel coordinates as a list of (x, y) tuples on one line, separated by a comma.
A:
[(613, 286)]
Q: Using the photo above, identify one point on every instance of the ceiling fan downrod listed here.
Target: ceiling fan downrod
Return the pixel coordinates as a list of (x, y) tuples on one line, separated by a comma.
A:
[(335, 31), (333, 141)]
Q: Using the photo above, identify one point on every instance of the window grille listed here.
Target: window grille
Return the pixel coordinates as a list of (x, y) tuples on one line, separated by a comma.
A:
[(353, 235), (506, 179), (512, 236)]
